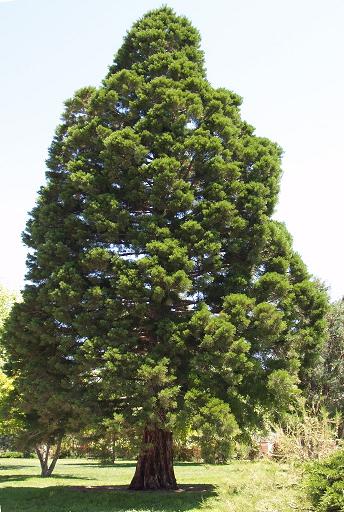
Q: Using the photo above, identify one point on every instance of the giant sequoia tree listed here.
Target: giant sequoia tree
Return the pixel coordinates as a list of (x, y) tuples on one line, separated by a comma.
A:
[(157, 274)]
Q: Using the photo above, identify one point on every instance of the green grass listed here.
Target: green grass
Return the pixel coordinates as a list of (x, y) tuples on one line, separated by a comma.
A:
[(261, 486)]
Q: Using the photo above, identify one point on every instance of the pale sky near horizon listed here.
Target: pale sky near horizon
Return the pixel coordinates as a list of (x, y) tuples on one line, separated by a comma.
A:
[(285, 58)]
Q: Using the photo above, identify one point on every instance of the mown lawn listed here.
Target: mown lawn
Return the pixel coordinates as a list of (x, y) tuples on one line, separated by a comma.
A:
[(240, 486)]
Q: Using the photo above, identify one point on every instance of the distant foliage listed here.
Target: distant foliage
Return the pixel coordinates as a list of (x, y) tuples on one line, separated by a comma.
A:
[(10, 423), (12, 455), (109, 440), (326, 484), (328, 379), (7, 299)]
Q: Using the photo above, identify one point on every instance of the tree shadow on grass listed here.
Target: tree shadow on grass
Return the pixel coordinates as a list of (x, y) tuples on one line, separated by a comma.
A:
[(22, 478), (65, 499), (191, 464), (5, 467), (102, 465), (124, 464)]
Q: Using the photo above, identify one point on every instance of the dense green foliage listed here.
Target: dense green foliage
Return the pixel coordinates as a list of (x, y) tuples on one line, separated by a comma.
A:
[(210, 427), (156, 276), (326, 484)]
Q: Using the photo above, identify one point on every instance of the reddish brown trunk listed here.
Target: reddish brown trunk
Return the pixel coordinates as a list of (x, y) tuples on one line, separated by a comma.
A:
[(154, 468)]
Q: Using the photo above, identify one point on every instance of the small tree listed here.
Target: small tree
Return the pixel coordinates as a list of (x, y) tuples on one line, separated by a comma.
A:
[(156, 269), (48, 392)]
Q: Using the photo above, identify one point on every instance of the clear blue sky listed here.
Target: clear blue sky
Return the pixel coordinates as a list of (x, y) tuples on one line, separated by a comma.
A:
[(285, 58)]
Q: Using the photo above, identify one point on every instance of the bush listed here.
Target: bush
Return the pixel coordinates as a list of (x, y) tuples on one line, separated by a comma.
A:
[(186, 451), (310, 436), (11, 455), (245, 450), (325, 483)]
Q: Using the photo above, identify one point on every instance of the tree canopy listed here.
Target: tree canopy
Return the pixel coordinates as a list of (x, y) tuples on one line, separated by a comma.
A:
[(156, 275)]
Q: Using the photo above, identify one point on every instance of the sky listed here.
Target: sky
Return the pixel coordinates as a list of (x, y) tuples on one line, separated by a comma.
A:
[(285, 58)]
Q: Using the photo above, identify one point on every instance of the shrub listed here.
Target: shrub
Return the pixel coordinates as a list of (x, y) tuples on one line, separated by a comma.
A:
[(11, 455), (325, 483), (310, 436), (185, 448), (246, 450)]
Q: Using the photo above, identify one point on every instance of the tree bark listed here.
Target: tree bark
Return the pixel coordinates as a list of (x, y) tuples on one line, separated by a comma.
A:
[(43, 452), (154, 468)]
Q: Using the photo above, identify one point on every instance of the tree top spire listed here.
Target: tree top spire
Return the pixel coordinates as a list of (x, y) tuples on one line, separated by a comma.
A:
[(160, 35)]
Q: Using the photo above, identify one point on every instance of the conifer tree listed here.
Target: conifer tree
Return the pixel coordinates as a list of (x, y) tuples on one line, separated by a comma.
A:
[(157, 274)]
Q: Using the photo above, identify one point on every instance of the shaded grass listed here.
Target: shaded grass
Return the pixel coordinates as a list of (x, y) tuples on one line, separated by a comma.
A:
[(57, 499), (82, 486)]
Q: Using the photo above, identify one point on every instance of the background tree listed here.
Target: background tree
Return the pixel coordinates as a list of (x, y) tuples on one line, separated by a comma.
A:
[(7, 299), (156, 269), (326, 386), (333, 360), (109, 439), (11, 420), (10, 423)]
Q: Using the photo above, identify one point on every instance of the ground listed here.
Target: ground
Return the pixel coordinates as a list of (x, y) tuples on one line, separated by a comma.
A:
[(80, 485)]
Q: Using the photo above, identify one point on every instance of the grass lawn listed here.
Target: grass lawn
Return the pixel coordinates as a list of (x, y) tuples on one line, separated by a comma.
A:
[(240, 486)]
